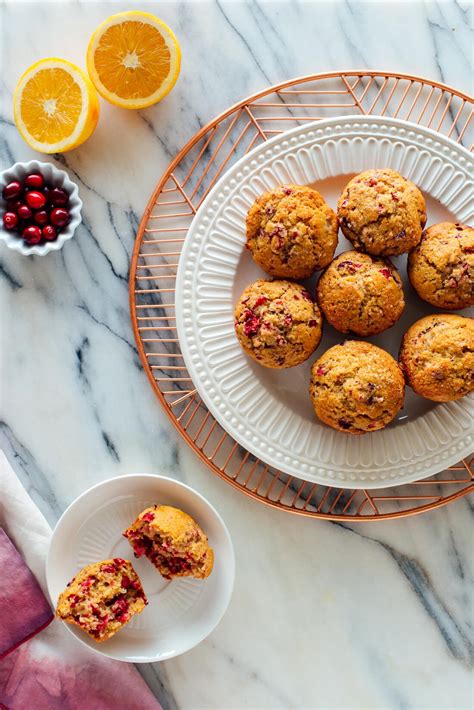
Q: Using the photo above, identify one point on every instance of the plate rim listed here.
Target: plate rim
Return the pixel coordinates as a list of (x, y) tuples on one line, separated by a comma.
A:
[(363, 120), (230, 565)]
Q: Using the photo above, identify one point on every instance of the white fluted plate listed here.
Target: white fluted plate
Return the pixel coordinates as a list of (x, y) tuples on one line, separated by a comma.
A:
[(180, 612), (269, 411)]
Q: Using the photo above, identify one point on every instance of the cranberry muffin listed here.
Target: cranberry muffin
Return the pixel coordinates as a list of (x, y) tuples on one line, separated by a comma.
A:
[(102, 598), (437, 357), (277, 323), (441, 267), (360, 293), (172, 541), (356, 387), (382, 213), (291, 232)]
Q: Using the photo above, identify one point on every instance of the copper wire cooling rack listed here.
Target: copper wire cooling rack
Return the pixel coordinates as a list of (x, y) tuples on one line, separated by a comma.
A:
[(162, 231)]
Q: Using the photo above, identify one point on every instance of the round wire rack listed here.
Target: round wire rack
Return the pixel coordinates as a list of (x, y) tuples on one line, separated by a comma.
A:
[(163, 229)]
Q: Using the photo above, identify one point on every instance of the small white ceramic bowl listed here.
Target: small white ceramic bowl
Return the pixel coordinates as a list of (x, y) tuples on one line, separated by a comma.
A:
[(56, 178), (181, 612)]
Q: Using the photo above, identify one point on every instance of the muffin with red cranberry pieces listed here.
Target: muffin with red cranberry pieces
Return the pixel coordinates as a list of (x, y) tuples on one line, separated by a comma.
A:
[(382, 213), (172, 541), (277, 323), (291, 232), (437, 357), (356, 387), (441, 267), (102, 598), (361, 294)]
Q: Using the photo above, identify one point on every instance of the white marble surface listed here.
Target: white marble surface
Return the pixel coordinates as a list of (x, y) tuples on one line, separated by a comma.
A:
[(323, 616)]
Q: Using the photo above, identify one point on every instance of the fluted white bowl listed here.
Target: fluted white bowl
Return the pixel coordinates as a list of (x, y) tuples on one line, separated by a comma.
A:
[(56, 178)]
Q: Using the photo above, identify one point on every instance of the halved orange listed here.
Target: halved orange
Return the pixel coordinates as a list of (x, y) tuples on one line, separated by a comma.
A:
[(133, 59), (55, 106)]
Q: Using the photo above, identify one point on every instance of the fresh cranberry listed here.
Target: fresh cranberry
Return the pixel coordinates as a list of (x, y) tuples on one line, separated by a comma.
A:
[(49, 233), (35, 199), (13, 205), (59, 197), (41, 217), (59, 217), (13, 189), (32, 234), (24, 212), (47, 193), (34, 180), (10, 220)]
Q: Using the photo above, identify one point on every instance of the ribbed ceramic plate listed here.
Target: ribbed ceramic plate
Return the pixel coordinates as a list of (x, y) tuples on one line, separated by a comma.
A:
[(269, 411), (181, 612)]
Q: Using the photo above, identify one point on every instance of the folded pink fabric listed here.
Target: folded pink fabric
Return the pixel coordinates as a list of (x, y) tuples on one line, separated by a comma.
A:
[(24, 610)]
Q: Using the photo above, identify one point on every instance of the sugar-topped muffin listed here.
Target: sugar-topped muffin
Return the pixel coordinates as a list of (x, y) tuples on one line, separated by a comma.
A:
[(441, 267), (356, 387), (277, 323), (437, 356), (102, 598), (291, 232), (172, 541), (381, 212), (360, 293)]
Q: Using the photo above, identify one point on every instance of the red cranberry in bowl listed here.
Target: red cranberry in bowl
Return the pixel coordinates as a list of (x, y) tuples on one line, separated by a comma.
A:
[(41, 217), (59, 217), (58, 197), (13, 189), (24, 212), (10, 220), (35, 180), (32, 234), (13, 205), (35, 199), (49, 233)]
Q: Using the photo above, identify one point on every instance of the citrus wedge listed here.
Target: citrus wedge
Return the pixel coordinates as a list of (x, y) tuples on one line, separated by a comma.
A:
[(133, 59), (55, 106)]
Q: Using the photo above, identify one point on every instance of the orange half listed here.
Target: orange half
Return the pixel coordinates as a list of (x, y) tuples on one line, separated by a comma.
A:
[(133, 59), (55, 106)]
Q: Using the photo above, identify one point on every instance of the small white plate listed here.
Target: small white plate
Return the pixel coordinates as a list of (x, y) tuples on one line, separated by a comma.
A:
[(181, 612), (269, 411)]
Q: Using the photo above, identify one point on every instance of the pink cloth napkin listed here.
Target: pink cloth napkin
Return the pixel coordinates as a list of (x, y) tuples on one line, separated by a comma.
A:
[(52, 671), (24, 610)]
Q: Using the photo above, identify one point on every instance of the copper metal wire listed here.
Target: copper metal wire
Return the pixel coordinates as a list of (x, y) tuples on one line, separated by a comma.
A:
[(163, 229)]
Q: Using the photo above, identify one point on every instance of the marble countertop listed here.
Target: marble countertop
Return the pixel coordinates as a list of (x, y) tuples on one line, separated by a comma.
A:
[(323, 615)]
